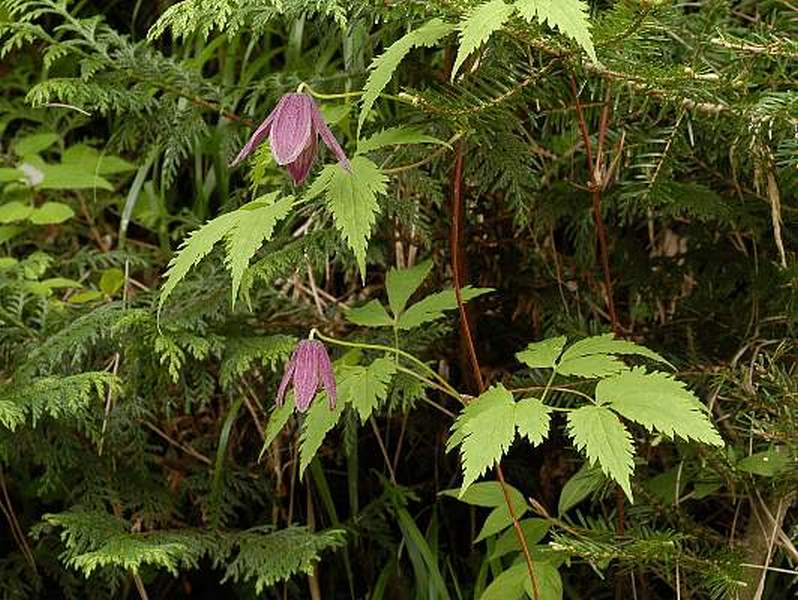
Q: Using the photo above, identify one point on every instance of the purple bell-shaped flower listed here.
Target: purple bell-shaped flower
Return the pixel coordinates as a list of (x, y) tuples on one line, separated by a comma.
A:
[(309, 368), (293, 128)]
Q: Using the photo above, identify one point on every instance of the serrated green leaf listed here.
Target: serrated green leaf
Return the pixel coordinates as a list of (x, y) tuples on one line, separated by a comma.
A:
[(598, 432), (489, 429), (15, 210), (403, 283), (318, 421), (254, 226), (277, 420), (383, 67), (607, 344), (51, 213), (569, 16), (486, 493), (658, 402), (543, 354), (534, 530), (591, 366), (582, 484), (352, 200), (365, 387), (193, 249), (371, 314), (397, 136), (480, 23), (509, 585), (35, 143), (500, 519), (532, 419), (433, 306)]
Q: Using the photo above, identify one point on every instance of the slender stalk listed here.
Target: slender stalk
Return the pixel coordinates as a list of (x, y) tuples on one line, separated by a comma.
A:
[(457, 180)]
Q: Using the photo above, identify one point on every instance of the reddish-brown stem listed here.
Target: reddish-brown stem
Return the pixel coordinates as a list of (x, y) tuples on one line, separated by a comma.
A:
[(465, 328), (596, 185)]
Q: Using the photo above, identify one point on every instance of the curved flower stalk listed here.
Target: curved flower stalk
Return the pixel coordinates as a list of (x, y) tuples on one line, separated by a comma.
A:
[(293, 129), (309, 368)]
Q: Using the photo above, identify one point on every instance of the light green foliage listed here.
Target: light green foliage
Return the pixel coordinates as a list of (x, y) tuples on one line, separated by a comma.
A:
[(383, 67), (371, 314), (600, 433), (432, 307), (659, 403), (278, 417), (96, 540), (569, 16), (486, 493), (770, 463), (549, 580), (500, 519), (243, 353), (591, 366), (401, 284), (396, 136), (485, 429), (534, 530), (514, 583), (482, 22), (55, 397), (607, 344), (352, 200), (532, 420), (244, 229), (254, 227), (317, 422), (267, 557), (543, 354), (365, 387)]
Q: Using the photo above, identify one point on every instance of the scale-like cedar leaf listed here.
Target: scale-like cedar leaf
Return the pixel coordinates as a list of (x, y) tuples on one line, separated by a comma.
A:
[(402, 283), (600, 434), (658, 402), (432, 307), (488, 425), (364, 387), (385, 64), (543, 354), (193, 249), (254, 226), (371, 314), (532, 419), (352, 199), (569, 16), (482, 22)]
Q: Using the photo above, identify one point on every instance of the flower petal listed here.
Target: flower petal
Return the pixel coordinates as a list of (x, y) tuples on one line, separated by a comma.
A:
[(300, 168), (306, 375), (287, 374), (320, 126), (327, 376), (291, 128), (260, 134)]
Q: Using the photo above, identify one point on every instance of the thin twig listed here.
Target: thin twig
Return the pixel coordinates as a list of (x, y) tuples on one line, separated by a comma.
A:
[(457, 182)]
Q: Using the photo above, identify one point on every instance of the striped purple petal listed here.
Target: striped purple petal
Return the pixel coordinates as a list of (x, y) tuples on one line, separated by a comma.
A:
[(260, 134), (306, 374), (292, 127), (287, 375), (300, 168), (320, 126), (327, 375)]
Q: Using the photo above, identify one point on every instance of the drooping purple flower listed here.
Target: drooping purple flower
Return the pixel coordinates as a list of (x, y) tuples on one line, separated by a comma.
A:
[(309, 368), (293, 129)]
